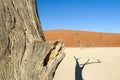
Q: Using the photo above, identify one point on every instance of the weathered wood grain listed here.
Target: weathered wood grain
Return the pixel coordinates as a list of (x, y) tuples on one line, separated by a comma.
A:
[(24, 53)]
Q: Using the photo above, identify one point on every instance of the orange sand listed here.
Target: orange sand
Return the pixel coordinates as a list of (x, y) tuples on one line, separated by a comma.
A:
[(87, 39)]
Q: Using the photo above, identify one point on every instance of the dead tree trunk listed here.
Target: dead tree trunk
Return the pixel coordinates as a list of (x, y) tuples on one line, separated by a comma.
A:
[(24, 53)]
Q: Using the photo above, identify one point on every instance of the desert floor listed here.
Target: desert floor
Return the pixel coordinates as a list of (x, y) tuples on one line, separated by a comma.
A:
[(108, 69)]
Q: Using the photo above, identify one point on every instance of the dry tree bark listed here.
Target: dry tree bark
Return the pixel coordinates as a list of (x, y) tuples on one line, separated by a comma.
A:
[(24, 53)]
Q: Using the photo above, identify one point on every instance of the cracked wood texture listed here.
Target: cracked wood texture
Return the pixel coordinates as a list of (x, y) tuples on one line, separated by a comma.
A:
[(24, 53)]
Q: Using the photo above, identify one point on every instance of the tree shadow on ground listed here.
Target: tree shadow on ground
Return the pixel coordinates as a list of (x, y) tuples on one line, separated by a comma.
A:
[(79, 68)]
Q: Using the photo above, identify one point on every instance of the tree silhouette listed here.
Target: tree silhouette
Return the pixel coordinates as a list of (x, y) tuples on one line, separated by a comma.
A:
[(79, 67)]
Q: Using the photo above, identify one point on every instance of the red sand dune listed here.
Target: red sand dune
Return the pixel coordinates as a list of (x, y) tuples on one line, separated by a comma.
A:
[(72, 38)]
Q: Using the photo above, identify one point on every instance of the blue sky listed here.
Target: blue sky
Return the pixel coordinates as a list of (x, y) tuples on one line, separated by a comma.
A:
[(88, 15)]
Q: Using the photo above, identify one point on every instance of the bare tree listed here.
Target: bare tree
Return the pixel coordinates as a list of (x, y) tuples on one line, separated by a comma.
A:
[(24, 53), (80, 44)]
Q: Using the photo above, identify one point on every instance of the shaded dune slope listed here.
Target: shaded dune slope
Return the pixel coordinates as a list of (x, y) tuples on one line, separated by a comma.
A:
[(72, 38)]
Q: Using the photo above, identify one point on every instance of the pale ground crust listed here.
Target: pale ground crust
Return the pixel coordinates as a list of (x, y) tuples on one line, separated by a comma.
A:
[(108, 69)]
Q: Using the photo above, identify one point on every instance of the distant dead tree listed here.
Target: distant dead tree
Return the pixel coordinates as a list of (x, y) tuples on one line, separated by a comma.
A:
[(80, 44), (79, 67)]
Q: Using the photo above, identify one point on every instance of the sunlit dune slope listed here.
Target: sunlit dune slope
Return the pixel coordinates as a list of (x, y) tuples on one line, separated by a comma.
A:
[(72, 38)]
